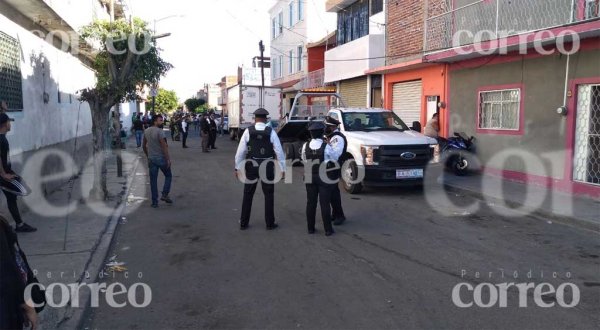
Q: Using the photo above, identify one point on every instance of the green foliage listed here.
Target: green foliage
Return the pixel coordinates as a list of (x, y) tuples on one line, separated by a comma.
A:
[(203, 108), (194, 104), (127, 60), (166, 101)]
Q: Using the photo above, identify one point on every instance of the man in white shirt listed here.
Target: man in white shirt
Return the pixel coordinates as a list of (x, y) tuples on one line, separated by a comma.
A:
[(338, 142), (184, 131), (259, 144)]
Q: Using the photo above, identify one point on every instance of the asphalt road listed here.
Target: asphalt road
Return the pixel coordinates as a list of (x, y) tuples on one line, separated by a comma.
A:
[(393, 265)]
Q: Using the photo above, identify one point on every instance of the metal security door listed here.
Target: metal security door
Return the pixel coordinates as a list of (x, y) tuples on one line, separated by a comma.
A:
[(586, 167), (407, 101)]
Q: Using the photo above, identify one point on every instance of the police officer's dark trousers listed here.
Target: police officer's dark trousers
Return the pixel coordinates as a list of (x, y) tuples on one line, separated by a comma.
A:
[(253, 174), (321, 192), (336, 199)]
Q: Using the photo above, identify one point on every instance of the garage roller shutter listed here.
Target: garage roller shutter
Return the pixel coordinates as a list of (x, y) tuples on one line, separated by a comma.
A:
[(354, 92), (407, 101)]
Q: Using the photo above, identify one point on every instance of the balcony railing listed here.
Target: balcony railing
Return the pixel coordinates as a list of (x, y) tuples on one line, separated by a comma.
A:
[(484, 20), (313, 79)]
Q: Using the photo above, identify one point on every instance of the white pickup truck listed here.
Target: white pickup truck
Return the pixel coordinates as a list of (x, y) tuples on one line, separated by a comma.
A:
[(379, 142)]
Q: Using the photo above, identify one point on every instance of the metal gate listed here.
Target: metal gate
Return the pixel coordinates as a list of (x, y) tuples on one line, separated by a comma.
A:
[(586, 167), (407, 101), (354, 92)]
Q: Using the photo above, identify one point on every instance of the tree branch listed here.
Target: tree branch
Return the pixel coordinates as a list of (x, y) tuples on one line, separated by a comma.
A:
[(129, 66), (112, 68)]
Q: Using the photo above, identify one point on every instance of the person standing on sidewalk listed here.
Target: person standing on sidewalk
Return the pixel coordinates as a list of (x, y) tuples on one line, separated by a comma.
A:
[(258, 144), (338, 143), (8, 176), (157, 151), (314, 153), (15, 275), (205, 131), (184, 131), (138, 128)]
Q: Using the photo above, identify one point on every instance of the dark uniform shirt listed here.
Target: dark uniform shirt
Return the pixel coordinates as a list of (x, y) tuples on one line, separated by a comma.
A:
[(4, 153)]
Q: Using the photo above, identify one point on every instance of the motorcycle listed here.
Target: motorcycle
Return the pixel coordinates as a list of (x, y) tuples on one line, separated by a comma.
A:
[(457, 153)]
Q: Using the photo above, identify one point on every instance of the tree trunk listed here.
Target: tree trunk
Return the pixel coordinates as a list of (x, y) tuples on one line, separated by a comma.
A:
[(118, 140), (100, 114)]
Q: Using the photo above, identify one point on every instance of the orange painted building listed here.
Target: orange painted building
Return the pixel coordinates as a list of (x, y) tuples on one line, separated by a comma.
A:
[(415, 90)]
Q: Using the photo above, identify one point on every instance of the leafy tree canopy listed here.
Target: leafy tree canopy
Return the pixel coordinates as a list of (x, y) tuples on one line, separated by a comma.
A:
[(193, 104), (127, 60), (166, 101)]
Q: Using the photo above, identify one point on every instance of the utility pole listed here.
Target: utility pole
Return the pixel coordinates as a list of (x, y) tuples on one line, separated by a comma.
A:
[(261, 46)]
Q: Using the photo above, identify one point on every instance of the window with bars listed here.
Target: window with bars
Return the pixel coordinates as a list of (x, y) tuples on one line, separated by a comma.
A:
[(299, 64), (11, 88), (280, 70), (353, 22), (500, 109), (300, 10), (280, 21), (292, 15)]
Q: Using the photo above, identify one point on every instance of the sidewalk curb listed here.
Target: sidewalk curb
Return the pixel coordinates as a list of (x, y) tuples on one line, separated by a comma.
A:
[(539, 214), (74, 318)]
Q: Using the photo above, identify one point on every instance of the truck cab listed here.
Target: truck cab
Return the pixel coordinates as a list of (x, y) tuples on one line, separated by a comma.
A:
[(382, 150), (382, 147)]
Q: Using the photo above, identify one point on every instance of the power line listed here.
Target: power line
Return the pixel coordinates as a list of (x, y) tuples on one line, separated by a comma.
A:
[(352, 59)]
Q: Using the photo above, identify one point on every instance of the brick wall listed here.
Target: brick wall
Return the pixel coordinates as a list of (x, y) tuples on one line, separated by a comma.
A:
[(406, 25)]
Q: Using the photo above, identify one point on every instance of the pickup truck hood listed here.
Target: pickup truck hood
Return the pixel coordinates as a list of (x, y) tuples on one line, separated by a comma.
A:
[(388, 138)]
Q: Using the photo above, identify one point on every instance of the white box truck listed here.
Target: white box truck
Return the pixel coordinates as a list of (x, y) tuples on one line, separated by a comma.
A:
[(242, 101)]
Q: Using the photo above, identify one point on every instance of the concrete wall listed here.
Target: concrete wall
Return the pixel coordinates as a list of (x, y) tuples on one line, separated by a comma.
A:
[(44, 68), (543, 82), (64, 125), (368, 50)]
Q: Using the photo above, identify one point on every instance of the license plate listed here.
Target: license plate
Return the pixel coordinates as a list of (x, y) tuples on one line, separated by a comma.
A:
[(409, 174)]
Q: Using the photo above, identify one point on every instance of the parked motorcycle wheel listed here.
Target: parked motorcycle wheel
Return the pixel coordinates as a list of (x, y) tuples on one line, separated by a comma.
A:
[(460, 165)]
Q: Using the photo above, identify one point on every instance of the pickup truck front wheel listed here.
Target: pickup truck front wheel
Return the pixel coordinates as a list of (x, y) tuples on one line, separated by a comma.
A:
[(350, 173)]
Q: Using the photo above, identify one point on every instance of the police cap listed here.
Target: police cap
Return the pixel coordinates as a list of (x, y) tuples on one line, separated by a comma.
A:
[(261, 113), (330, 121)]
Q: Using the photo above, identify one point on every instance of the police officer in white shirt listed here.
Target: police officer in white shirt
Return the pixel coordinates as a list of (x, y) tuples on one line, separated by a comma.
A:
[(338, 142), (258, 144), (318, 188)]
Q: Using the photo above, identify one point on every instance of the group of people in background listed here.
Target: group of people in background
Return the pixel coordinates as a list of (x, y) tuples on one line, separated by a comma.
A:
[(180, 124), (150, 136)]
